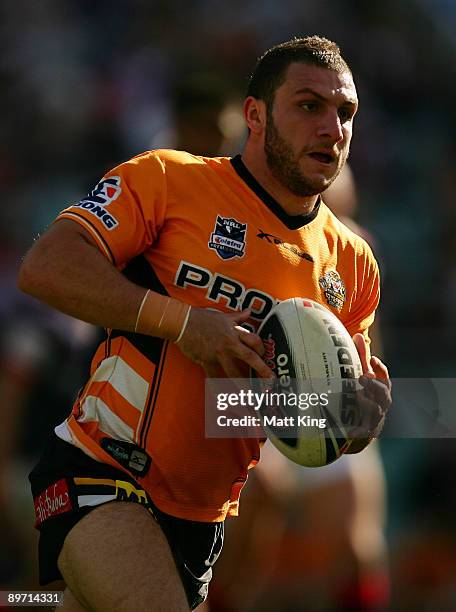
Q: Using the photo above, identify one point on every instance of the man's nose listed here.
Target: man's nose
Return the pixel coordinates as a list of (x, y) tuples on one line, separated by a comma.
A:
[(331, 127)]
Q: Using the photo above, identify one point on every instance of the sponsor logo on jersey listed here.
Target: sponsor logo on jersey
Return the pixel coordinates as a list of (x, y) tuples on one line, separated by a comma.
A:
[(101, 196), (131, 456), (125, 491), (222, 289), (334, 289), (285, 245), (228, 238), (52, 501), (105, 192)]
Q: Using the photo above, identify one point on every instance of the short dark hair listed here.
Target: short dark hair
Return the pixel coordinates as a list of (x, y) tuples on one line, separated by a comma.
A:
[(269, 72)]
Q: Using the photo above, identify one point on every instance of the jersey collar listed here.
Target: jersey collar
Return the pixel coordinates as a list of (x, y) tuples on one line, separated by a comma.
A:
[(291, 221)]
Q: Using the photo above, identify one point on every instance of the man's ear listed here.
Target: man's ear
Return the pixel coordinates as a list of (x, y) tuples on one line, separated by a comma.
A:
[(255, 115)]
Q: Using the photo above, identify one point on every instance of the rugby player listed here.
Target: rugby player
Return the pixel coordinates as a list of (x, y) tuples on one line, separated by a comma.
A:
[(172, 253)]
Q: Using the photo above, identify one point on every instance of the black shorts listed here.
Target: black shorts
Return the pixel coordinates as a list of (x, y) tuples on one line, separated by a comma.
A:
[(67, 484)]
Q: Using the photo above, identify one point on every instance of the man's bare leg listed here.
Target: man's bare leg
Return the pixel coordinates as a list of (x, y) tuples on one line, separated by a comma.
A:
[(70, 603), (117, 558)]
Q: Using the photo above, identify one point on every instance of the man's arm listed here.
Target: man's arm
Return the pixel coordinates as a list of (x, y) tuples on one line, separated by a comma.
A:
[(67, 271)]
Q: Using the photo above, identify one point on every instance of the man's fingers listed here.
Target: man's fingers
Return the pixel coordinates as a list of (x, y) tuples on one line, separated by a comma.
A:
[(240, 317), (377, 391), (371, 415), (363, 352), (249, 356), (233, 368), (251, 340), (381, 371)]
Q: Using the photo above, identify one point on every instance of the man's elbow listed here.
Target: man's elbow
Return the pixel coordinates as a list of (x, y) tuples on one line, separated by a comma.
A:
[(49, 264), (38, 268), (29, 278)]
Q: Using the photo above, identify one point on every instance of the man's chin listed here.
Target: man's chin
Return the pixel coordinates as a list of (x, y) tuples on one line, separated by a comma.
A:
[(304, 191), (320, 183), (312, 186)]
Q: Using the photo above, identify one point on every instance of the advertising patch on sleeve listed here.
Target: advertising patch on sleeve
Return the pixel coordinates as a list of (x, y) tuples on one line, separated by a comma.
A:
[(100, 197)]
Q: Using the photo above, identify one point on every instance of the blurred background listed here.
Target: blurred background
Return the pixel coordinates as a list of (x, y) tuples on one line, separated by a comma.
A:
[(86, 84)]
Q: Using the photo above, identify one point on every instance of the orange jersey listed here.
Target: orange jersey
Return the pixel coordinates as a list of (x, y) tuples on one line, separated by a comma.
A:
[(201, 230)]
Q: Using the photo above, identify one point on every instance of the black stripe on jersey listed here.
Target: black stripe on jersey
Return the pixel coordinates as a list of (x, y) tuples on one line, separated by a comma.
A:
[(140, 272), (155, 387), (95, 231), (291, 221)]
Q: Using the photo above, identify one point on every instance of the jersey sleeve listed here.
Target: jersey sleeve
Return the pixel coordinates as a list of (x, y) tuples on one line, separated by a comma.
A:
[(362, 312), (126, 209)]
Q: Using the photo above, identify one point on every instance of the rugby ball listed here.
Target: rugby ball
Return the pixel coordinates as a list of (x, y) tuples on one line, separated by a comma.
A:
[(311, 407)]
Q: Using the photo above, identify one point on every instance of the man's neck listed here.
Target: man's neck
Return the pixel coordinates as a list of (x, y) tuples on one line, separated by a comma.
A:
[(291, 204)]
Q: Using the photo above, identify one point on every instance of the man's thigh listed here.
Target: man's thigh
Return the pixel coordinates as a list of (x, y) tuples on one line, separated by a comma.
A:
[(117, 558)]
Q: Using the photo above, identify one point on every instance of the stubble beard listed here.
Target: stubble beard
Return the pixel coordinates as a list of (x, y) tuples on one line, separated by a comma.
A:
[(285, 167)]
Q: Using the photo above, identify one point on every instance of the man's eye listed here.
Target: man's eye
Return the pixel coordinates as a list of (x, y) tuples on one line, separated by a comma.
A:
[(345, 114), (311, 107)]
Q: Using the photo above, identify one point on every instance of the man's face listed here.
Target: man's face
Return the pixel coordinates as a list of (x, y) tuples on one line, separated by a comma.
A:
[(309, 128)]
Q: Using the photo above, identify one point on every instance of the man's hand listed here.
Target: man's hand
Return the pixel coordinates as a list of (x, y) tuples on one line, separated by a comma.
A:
[(374, 399), (215, 340)]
